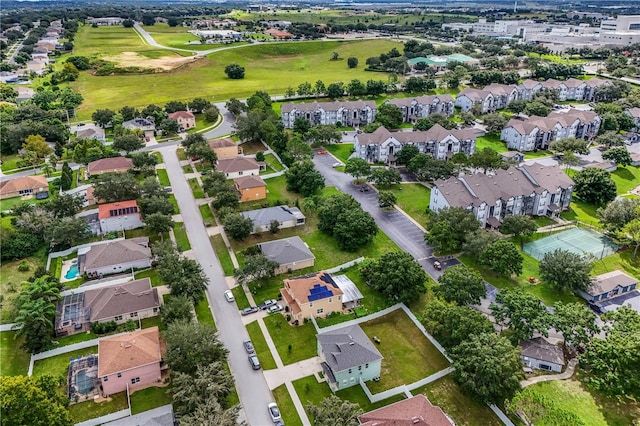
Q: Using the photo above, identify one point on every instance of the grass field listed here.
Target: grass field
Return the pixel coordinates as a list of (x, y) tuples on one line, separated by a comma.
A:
[(622, 260), (260, 344), (491, 140), (273, 162), (241, 297), (341, 150), (12, 279), (413, 198), (271, 67), (293, 344), (581, 211), (153, 276), (196, 188), (203, 313), (626, 178), (182, 240), (223, 254), (149, 398), (163, 177), (13, 360), (58, 365), (90, 410), (285, 404), (207, 215)]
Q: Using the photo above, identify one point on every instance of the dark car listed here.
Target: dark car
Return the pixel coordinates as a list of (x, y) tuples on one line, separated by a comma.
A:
[(254, 361), (249, 310), (595, 308), (248, 346), (264, 305)]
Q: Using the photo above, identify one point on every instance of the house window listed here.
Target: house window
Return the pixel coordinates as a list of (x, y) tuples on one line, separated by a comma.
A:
[(349, 371), (366, 365), (359, 368), (155, 310), (133, 314), (135, 380), (119, 318), (240, 173), (319, 311), (311, 304), (119, 375), (105, 379), (330, 299)]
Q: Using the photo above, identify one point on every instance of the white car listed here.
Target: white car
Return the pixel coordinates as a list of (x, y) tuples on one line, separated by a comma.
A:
[(274, 412), (337, 165), (274, 308), (229, 296)]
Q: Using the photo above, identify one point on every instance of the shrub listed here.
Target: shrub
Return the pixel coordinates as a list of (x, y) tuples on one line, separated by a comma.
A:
[(24, 266), (103, 327)]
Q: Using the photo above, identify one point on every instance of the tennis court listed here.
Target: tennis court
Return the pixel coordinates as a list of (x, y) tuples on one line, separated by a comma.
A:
[(576, 240)]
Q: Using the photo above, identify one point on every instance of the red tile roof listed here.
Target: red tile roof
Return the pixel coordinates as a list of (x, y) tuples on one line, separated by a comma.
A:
[(131, 350), (23, 183), (181, 114), (110, 165), (415, 411), (104, 210)]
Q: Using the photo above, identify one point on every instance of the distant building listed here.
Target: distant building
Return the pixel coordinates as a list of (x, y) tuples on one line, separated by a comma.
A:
[(240, 166), (120, 216), (115, 257), (291, 254), (24, 93), (635, 114), (413, 109), (279, 34), (609, 285), (347, 113), (225, 148), (287, 217), (89, 131), (145, 125), (185, 119), (624, 30), (105, 21), (109, 165), (218, 34)]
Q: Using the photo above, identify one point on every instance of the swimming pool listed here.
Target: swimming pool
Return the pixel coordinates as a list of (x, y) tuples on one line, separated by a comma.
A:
[(72, 272)]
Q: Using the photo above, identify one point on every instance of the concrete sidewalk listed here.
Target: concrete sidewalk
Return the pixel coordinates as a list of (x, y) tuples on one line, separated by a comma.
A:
[(571, 368), (292, 372)]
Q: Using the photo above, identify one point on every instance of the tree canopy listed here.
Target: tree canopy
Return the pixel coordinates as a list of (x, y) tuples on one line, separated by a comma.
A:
[(462, 285), (396, 275), (523, 313), (449, 227), (594, 186), (565, 270), (334, 411), (302, 177), (33, 400), (190, 345), (451, 324)]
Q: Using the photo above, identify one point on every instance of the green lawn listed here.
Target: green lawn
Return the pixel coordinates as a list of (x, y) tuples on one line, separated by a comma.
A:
[(144, 232), (90, 410), (622, 260), (182, 240), (408, 354), (153, 322), (285, 404), (463, 409), (223, 254), (626, 178), (491, 140), (273, 162), (536, 154), (341, 150), (203, 313), (541, 221), (413, 198), (163, 177), (241, 297), (10, 203), (260, 344), (14, 361), (181, 155), (58, 365), (301, 339), (196, 188), (207, 215), (9, 162), (581, 211), (277, 193), (12, 280), (153, 276), (76, 338), (174, 203), (149, 398)]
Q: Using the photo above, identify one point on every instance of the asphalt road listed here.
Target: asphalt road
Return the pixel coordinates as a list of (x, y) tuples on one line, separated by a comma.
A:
[(252, 387)]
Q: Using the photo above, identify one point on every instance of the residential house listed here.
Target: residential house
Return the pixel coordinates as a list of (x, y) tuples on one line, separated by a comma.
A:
[(49, 45), (351, 297), (279, 34), (503, 94), (635, 114), (538, 132), (81, 192), (160, 20), (381, 146), (345, 113), (129, 361), (609, 285), (115, 257), (414, 411), (251, 188), (287, 217), (214, 35), (185, 119), (105, 21), (145, 125), (89, 131), (8, 77), (413, 109), (109, 165), (132, 300), (540, 354), (593, 92), (468, 98), (37, 67), (291, 254), (609, 166), (24, 93), (635, 159), (24, 186), (348, 357), (313, 295), (527, 190), (528, 88), (120, 216), (513, 156), (225, 148), (240, 166)]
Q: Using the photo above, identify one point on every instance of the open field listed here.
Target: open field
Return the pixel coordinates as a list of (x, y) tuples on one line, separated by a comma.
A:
[(149, 398), (272, 67), (413, 199), (12, 280), (340, 150), (293, 343), (13, 360)]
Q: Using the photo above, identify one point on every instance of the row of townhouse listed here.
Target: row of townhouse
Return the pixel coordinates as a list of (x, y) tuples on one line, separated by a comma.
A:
[(382, 145), (538, 132), (497, 96), (528, 190)]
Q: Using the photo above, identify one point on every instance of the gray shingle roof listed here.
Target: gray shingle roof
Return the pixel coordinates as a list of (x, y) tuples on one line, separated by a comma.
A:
[(435, 134), (115, 253), (538, 348), (286, 250), (347, 347), (263, 217), (108, 302)]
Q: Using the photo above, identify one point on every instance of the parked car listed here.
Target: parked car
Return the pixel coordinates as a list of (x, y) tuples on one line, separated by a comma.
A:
[(249, 310), (275, 308), (274, 412), (337, 164), (248, 346), (229, 296), (264, 305), (254, 361)]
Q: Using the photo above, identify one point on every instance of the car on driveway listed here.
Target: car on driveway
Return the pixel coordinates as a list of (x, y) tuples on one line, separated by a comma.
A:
[(274, 412), (248, 346), (274, 308), (249, 310), (229, 296), (264, 305)]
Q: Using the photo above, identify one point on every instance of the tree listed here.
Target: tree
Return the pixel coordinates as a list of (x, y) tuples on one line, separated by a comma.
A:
[(396, 275), (303, 178), (406, 154), (537, 108), (517, 106), (235, 106), (191, 344), (299, 150), (614, 361), (449, 227), (335, 411), (177, 308), (103, 117), (461, 285), (619, 155), (211, 412), (519, 226), (352, 62), (158, 223), (199, 105), (387, 199), (237, 226), (354, 229), (65, 205), (301, 126), (376, 87), (37, 145), (494, 122), (173, 106), (357, 167), (88, 150), (335, 56), (427, 168), (475, 242), (305, 89), (572, 145), (33, 401), (631, 233), (18, 244), (383, 176), (486, 158), (152, 204), (128, 23), (576, 322), (319, 88), (36, 309), (256, 267), (331, 207), (565, 270), (202, 151), (144, 162), (169, 126), (127, 143), (128, 113), (183, 276), (451, 324), (113, 187), (594, 186), (211, 114), (211, 381), (523, 313), (503, 258), (618, 213), (487, 366), (234, 71), (225, 196), (67, 231), (610, 140), (389, 115), (335, 90)]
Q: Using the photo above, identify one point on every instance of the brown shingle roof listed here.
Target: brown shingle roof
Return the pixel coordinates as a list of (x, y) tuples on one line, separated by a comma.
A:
[(539, 348), (634, 112), (222, 143), (435, 133), (300, 287), (127, 351), (34, 183), (108, 302), (181, 114), (237, 164), (530, 84), (247, 182), (328, 106), (423, 100), (414, 411), (114, 253), (110, 165)]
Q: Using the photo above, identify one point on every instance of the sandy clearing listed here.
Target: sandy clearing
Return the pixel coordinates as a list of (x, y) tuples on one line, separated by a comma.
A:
[(133, 59)]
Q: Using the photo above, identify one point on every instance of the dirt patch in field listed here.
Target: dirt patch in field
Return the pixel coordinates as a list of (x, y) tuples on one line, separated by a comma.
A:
[(165, 63)]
